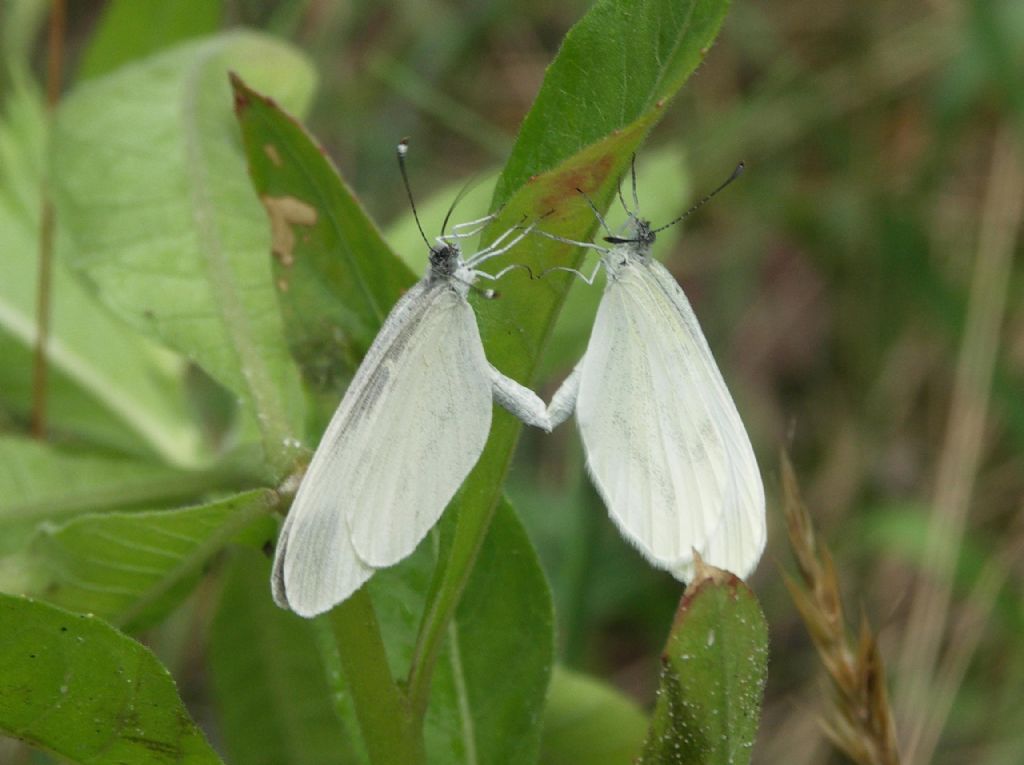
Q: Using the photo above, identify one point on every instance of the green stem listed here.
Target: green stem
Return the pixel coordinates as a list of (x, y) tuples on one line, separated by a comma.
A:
[(476, 511), (391, 733)]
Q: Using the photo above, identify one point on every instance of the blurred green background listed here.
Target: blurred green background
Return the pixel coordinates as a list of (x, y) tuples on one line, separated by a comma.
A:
[(859, 288)]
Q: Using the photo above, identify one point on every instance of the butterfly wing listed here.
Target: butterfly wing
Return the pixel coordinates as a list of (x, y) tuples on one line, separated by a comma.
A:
[(664, 442), (409, 429)]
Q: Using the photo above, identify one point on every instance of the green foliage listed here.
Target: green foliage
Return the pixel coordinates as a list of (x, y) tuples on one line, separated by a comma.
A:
[(712, 677), (174, 240), (588, 721), (41, 483), (269, 680), (77, 687), (491, 679), (132, 568), (620, 64), (108, 385), (832, 284), (132, 29), (336, 279), (169, 276)]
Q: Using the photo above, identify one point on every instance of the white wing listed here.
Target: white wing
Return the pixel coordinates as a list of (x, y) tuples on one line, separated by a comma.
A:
[(409, 429), (321, 563), (665, 445)]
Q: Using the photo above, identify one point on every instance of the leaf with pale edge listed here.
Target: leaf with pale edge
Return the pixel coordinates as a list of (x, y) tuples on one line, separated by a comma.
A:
[(153, 190), (132, 568), (335, 277)]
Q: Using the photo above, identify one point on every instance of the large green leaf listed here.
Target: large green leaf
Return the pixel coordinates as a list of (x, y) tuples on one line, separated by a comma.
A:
[(131, 29), (173, 238), (132, 568), (107, 383), (73, 685), (489, 687), (269, 680), (39, 483), (713, 674), (620, 63), (586, 720), (336, 279)]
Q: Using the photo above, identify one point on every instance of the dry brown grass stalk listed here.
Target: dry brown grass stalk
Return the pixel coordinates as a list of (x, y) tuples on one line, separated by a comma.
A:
[(859, 719)]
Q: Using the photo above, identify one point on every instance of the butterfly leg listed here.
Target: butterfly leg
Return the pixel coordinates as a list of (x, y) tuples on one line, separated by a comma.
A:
[(469, 228), (573, 242), (580, 274), (477, 224), (519, 400), (505, 270)]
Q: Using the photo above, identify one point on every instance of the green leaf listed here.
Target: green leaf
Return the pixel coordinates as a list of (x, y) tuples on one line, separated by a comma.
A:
[(491, 679), (173, 238), (621, 63), (77, 687), (588, 721), (107, 383), (269, 680), (39, 482), (132, 568), (713, 675), (336, 278), (580, 133), (131, 29)]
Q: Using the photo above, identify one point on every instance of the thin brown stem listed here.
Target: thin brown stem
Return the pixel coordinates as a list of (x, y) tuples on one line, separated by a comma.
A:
[(960, 459), (47, 222)]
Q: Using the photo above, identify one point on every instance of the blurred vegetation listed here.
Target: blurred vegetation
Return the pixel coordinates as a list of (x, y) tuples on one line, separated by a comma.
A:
[(860, 289)]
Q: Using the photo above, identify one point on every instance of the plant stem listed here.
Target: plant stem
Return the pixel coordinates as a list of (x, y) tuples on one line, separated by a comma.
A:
[(46, 226), (391, 732), (477, 506), (964, 445)]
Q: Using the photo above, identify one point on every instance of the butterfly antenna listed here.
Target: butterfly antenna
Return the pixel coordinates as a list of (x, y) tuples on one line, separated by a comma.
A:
[(593, 208), (735, 174), (403, 147), (622, 200), (455, 202)]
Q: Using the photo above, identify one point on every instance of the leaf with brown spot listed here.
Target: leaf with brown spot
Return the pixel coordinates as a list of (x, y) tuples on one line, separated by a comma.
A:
[(284, 212), (336, 281)]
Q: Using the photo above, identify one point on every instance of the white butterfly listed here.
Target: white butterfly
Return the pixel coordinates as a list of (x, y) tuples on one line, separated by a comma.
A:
[(664, 443), (410, 427)]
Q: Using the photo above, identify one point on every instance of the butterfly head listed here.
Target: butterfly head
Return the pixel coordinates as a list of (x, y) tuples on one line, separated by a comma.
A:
[(640, 236), (445, 260)]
